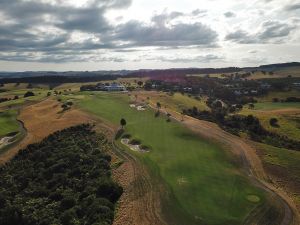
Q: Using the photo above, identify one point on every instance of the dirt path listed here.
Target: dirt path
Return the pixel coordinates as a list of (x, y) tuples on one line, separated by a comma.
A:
[(140, 203), (251, 162)]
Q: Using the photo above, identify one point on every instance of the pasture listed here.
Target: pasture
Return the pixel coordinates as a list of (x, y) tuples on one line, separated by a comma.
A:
[(176, 102), (8, 123), (283, 165), (204, 183)]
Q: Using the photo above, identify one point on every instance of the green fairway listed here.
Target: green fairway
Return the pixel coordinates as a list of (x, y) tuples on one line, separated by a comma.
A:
[(8, 123), (206, 185)]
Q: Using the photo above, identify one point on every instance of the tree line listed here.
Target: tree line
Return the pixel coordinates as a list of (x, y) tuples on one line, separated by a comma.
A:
[(247, 124)]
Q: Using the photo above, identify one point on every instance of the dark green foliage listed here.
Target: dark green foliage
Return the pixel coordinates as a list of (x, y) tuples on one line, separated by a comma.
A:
[(119, 133), (28, 94), (135, 142), (123, 122), (247, 124), (274, 122), (127, 136), (65, 179)]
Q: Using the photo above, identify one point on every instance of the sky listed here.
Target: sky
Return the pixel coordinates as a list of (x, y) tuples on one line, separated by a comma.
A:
[(89, 35)]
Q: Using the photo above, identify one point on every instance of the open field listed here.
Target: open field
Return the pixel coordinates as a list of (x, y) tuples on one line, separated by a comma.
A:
[(206, 184), (176, 102), (8, 122), (277, 105), (278, 94), (284, 168), (287, 113), (39, 95)]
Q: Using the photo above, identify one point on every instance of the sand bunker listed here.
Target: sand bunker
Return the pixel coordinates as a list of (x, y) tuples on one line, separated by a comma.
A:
[(136, 148), (138, 107), (5, 141)]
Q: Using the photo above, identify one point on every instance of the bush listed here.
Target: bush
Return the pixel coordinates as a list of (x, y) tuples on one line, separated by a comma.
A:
[(135, 142), (126, 136), (28, 94), (145, 148), (273, 122)]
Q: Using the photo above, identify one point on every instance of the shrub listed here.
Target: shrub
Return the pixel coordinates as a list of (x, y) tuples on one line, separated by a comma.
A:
[(145, 148), (274, 122), (135, 142), (28, 94), (126, 136)]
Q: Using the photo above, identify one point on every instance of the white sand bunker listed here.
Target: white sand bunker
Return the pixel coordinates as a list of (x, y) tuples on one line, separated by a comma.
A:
[(182, 181), (141, 108), (138, 107), (5, 141), (133, 147)]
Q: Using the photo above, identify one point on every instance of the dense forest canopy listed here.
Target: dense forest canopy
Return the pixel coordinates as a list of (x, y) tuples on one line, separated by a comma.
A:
[(65, 179)]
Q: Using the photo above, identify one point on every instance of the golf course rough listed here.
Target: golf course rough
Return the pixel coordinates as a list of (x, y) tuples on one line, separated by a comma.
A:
[(206, 186)]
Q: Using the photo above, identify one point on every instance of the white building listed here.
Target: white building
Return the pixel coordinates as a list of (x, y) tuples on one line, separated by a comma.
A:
[(114, 87)]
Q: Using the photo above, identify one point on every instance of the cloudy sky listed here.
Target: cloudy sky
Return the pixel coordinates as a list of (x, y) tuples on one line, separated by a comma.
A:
[(133, 34)]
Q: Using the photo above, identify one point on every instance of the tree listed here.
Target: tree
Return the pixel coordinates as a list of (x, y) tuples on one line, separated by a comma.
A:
[(140, 83), (28, 94), (274, 122), (169, 116), (123, 122), (158, 106)]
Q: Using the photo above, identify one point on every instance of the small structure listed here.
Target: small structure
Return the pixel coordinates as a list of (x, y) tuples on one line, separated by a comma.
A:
[(113, 87)]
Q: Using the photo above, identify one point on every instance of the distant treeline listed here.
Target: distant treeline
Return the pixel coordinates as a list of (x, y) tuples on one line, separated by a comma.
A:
[(65, 179), (240, 123), (181, 72), (58, 79), (280, 65)]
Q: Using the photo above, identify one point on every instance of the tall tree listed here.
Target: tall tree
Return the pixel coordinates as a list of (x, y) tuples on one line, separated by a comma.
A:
[(123, 122)]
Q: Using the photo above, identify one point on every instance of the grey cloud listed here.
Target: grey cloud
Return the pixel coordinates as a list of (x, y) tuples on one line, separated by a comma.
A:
[(292, 7), (159, 34), (187, 59), (270, 32), (22, 34), (229, 14), (275, 29)]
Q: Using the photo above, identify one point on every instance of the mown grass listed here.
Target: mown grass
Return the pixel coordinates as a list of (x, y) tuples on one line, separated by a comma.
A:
[(8, 122), (205, 183)]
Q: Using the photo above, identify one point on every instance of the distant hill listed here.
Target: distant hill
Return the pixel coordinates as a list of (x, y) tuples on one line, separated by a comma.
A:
[(280, 65)]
